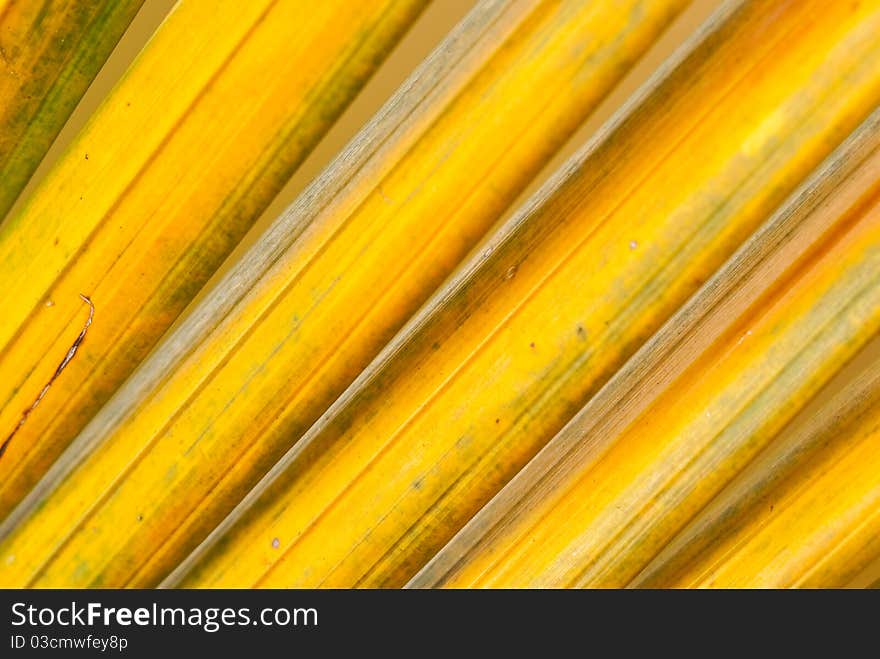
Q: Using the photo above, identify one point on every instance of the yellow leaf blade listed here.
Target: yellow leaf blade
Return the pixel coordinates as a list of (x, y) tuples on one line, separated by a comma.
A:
[(555, 302), (442, 162), (203, 130)]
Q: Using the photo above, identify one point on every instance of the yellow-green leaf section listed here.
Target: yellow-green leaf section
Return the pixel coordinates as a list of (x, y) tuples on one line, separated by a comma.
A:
[(209, 122), (50, 51)]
